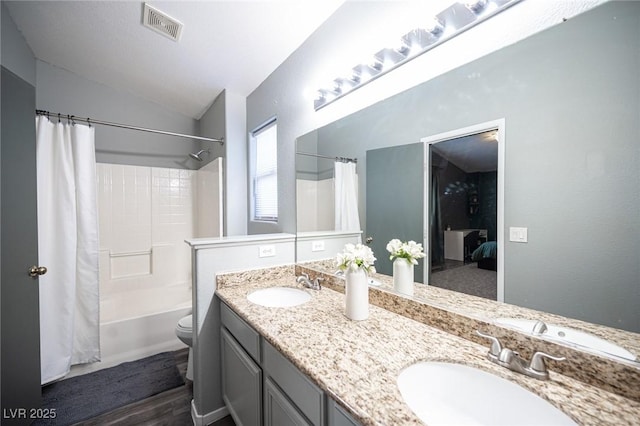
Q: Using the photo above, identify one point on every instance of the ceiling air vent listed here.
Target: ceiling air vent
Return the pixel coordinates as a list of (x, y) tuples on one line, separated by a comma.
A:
[(161, 23)]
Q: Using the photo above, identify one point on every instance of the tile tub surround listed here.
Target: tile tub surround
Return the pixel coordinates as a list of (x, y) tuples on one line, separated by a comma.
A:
[(462, 315), (145, 214), (357, 362)]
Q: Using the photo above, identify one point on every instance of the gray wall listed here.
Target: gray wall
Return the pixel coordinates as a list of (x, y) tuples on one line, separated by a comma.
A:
[(226, 117), (58, 90), (307, 167), (453, 207), (281, 95), (16, 56), (394, 201), (570, 98), (312, 168), (235, 167), (212, 125), (486, 217)]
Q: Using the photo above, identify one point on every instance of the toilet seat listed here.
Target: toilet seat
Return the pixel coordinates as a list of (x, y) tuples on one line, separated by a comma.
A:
[(186, 323), (184, 330)]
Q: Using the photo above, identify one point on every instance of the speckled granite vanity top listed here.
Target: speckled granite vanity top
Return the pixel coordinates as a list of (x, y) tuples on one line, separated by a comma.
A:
[(357, 362), (486, 309)]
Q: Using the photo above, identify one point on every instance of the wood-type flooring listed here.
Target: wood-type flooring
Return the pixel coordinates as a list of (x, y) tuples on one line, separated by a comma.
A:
[(169, 408)]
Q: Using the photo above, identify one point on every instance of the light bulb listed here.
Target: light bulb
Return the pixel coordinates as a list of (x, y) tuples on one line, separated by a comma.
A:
[(434, 26), (476, 6)]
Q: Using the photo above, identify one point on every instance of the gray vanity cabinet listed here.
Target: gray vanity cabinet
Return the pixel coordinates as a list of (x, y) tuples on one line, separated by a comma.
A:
[(278, 409), (241, 383), (337, 415), (241, 372), (261, 386), (302, 394)]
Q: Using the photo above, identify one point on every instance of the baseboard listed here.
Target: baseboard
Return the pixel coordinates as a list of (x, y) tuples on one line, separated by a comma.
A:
[(208, 418)]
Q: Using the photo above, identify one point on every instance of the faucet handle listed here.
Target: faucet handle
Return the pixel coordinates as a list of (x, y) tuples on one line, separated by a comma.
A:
[(539, 327), (316, 283), (537, 361), (506, 356), (496, 347)]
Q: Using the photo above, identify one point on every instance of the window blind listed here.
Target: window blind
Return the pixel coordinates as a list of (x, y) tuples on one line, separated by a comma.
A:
[(265, 188)]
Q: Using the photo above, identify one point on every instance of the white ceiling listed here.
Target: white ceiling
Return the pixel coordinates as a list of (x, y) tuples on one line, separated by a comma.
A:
[(231, 45)]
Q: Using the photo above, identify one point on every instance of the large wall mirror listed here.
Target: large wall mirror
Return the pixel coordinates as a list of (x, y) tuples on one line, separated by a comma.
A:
[(570, 100)]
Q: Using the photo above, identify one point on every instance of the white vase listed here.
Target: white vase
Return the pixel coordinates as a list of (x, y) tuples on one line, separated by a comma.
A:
[(356, 295), (403, 276)]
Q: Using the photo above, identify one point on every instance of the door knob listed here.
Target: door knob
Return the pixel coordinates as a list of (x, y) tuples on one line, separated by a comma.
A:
[(36, 271), (369, 240)]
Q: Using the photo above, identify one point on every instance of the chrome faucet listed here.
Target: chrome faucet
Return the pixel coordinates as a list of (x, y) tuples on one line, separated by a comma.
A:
[(305, 281), (510, 359)]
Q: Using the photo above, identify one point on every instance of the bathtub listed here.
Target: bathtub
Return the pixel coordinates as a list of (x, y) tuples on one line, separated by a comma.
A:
[(135, 338), (144, 263)]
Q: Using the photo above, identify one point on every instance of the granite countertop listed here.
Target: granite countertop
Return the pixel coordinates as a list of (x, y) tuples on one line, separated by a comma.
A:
[(357, 362), (490, 310)]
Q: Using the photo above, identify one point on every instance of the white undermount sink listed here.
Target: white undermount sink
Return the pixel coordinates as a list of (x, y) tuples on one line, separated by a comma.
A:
[(568, 335), (442, 393), (279, 297)]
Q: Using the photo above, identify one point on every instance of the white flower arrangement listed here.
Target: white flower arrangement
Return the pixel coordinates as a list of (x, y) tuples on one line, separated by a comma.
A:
[(356, 257), (411, 251)]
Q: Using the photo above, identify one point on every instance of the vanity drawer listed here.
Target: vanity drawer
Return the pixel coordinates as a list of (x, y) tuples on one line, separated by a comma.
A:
[(307, 397), (244, 334)]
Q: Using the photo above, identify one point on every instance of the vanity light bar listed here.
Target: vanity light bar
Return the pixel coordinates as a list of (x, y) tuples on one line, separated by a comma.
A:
[(454, 20)]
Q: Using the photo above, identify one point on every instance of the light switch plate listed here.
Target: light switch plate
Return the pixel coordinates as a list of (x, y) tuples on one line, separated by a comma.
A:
[(518, 235), (317, 245), (267, 251)]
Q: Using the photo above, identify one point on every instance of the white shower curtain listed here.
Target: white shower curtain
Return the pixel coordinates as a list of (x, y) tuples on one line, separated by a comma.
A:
[(346, 197), (68, 246)]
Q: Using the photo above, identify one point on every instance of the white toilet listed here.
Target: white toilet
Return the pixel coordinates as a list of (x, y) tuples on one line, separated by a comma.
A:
[(184, 331)]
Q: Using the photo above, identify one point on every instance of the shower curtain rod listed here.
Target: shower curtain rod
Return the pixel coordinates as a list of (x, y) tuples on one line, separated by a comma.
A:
[(123, 126), (342, 159)]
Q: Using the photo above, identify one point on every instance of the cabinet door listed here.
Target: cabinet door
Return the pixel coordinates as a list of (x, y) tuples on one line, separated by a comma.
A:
[(339, 417), (300, 390), (278, 410), (241, 383)]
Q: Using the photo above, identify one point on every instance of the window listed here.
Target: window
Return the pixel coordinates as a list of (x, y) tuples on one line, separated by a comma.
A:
[(265, 173)]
